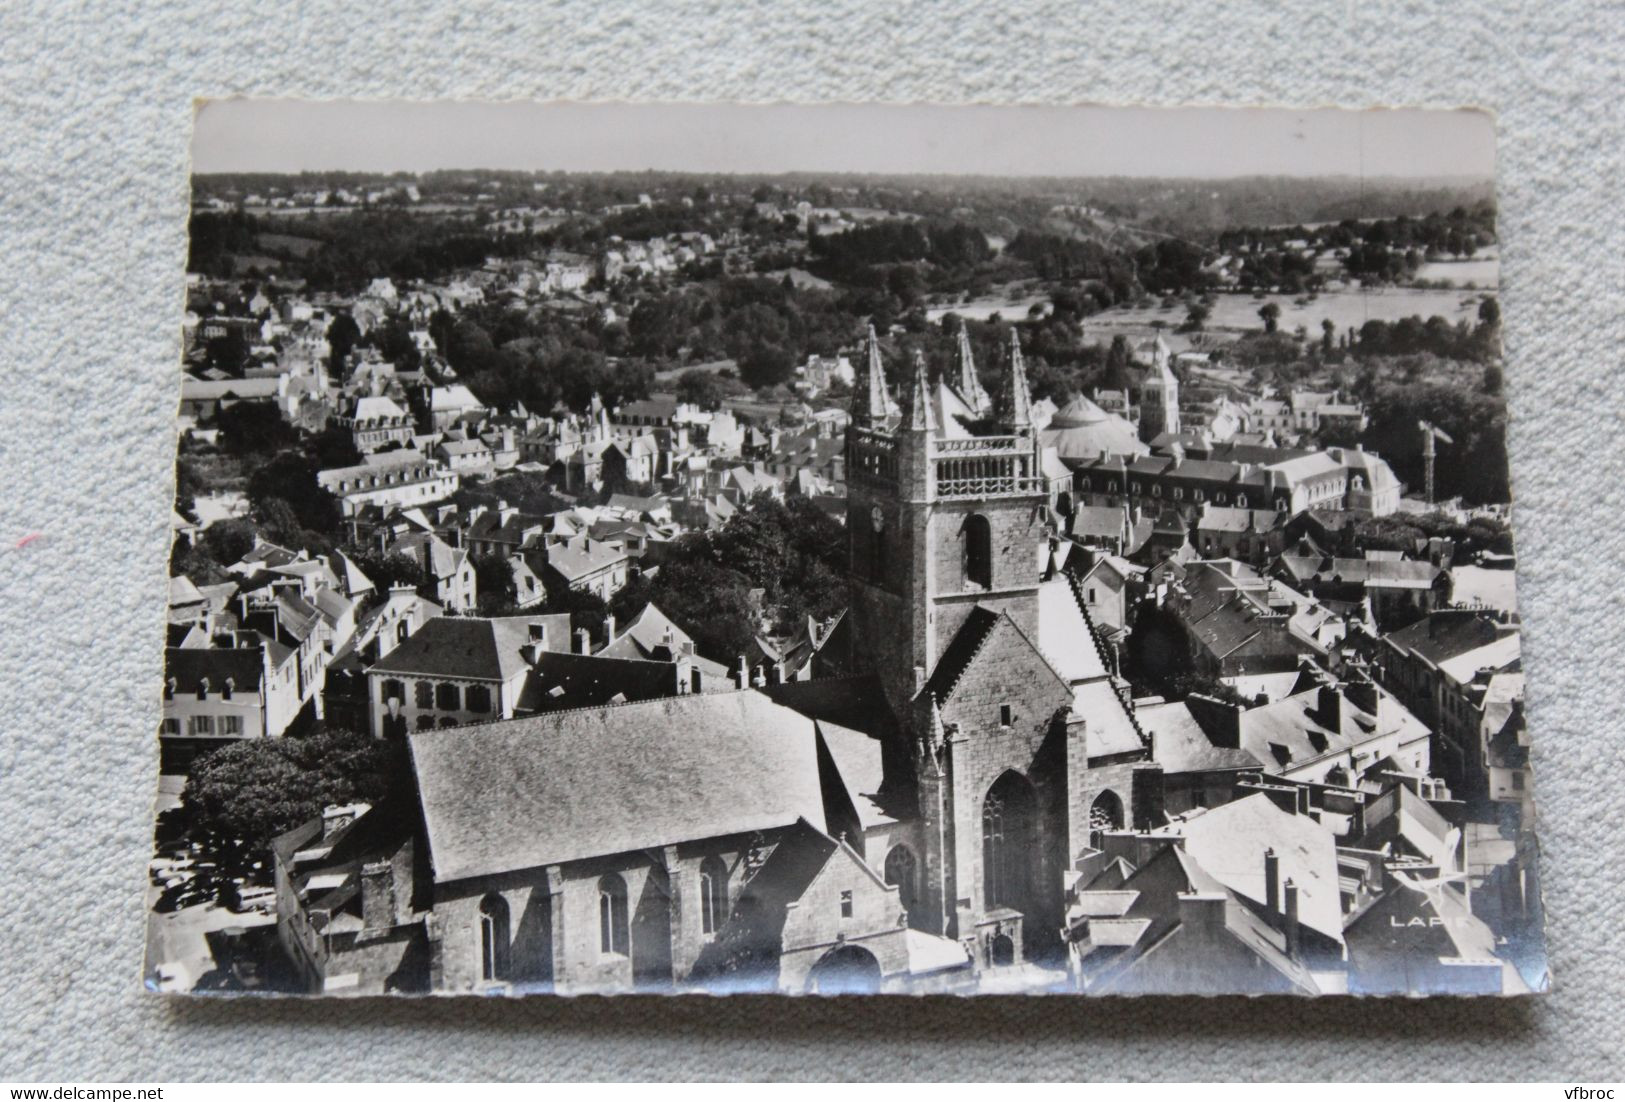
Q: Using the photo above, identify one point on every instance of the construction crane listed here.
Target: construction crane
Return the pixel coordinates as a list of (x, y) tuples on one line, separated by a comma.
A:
[(1430, 433)]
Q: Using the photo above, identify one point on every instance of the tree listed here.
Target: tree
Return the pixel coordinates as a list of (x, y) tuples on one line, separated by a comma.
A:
[(1270, 312), (1196, 316), (493, 581), (253, 428), (242, 796), (701, 388), (1494, 379), (342, 336), (227, 541), (290, 478), (388, 570), (1328, 335)]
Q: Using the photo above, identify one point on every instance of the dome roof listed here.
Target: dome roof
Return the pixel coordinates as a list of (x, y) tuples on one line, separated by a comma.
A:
[(1082, 430)]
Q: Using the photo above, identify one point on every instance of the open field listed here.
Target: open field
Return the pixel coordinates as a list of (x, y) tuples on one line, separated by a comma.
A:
[(1344, 308), (1480, 271), (983, 309)]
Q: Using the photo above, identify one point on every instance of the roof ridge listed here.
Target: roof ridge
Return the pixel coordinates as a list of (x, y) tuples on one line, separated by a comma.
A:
[(599, 707)]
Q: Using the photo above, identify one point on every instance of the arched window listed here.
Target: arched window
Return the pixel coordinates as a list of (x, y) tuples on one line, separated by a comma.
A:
[(1009, 842), (713, 894), (493, 937), (901, 871), (978, 537), (1106, 813), (448, 697), (1241, 501), (423, 694), (612, 924)]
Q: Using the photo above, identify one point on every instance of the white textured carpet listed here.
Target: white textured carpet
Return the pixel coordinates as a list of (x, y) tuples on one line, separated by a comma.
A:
[(95, 109)]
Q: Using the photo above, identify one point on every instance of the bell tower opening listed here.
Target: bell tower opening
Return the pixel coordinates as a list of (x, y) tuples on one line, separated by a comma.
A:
[(978, 552)]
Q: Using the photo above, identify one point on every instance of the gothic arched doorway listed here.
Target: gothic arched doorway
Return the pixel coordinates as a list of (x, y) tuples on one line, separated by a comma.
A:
[(902, 872), (1009, 844), (845, 970)]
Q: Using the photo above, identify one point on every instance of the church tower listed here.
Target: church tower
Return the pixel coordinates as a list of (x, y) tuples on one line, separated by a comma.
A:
[(1012, 757), (1159, 397), (937, 524)]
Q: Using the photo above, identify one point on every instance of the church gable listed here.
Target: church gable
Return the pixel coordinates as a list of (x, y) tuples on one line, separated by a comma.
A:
[(992, 676)]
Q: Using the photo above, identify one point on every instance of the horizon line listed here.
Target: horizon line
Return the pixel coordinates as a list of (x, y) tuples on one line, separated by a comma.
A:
[(1027, 141)]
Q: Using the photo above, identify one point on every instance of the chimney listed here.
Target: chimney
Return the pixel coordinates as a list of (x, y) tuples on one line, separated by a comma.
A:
[(758, 678), (583, 641), (377, 895), (1330, 711), (1293, 937), (1220, 720), (335, 817), (1201, 909), (741, 674), (1364, 695), (1272, 883)]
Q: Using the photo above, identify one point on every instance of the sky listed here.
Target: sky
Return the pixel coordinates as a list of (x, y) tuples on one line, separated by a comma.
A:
[(245, 135)]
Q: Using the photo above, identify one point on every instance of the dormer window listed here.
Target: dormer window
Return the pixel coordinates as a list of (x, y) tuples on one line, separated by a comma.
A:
[(203, 688), (231, 683)]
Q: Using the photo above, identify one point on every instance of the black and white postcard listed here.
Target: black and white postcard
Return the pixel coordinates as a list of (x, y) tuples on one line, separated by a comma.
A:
[(842, 549)]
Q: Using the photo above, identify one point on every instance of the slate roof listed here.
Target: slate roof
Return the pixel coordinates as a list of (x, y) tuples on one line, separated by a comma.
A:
[(1444, 634), (1181, 746), (562, 680), (190, 665), (571, 785), (1064, 633), (462, 647), (1370, 572), (1229, 843), (1292, 731), (576, 559)]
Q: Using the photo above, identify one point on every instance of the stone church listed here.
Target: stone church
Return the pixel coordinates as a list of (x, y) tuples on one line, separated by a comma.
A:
[(911, 819), (1021, 744)]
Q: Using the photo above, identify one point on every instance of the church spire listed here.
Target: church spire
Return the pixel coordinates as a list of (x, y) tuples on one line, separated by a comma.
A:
[(1015, 402), (921, 417), (870, 402), (970, 387)]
